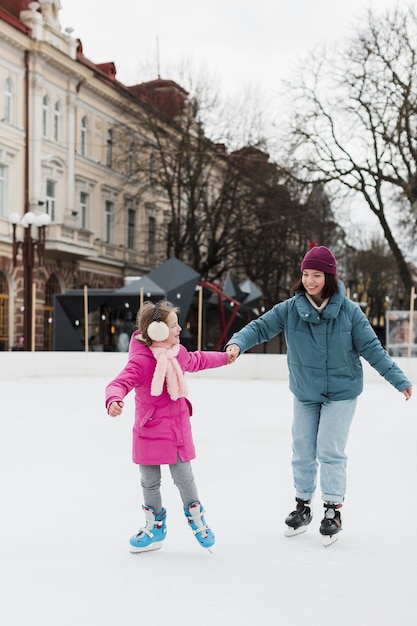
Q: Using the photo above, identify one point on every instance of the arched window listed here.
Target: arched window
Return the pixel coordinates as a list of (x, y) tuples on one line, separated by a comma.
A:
[(57, 121), (84, 136), (4, 312), (8, 100), (45, 117)]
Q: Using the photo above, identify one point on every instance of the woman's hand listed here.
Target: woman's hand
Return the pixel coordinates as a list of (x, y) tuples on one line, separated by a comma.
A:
[(233, 351), (407, 392)]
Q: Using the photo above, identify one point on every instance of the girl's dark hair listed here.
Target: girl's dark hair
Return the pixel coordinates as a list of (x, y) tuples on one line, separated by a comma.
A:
[(331, 285), (146, 315)]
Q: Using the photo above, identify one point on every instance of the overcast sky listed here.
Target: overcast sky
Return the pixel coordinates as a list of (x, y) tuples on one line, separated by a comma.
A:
[(240, 42)]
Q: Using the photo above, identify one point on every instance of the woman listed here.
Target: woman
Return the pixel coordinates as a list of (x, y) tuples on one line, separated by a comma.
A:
[(326, 333)]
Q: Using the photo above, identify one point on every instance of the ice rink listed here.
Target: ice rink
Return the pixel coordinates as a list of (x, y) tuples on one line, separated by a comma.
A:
[(71, 499)]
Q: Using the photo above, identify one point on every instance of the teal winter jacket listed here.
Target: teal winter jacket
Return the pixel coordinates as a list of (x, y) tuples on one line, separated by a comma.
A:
[(323, 349)]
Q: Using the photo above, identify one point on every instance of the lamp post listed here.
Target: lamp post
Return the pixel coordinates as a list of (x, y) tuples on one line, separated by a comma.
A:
[(28, 246)]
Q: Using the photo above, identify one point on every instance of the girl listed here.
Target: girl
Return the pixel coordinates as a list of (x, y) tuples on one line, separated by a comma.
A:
[(326, 333), (162, 429)]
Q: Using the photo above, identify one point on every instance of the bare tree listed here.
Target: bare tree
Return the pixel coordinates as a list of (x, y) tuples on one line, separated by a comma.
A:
[(372, 277), (285, 219), (203, 190), (224, 209), (355, 122)]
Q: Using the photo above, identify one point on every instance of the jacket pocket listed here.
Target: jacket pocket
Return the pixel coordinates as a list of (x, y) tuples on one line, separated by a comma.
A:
[(190, 406)]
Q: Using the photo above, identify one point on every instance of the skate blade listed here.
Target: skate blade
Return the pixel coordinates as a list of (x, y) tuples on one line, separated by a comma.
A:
[(292, 532), (328, 540), (152, 546)]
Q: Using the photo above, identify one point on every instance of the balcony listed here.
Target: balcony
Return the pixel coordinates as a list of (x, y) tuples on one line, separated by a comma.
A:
[(63, 240)]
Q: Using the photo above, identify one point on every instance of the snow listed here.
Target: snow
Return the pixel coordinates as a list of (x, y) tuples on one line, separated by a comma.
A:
[(71, 499)]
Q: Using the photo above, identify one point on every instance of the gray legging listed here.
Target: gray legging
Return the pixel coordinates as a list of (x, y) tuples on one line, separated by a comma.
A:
[(182, 476)]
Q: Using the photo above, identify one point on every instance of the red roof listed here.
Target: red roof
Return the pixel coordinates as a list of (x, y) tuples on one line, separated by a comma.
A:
[(15, 6)]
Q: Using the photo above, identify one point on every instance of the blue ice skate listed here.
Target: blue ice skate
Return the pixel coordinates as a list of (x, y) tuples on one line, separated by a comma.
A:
[(195, 515), (151, 536)]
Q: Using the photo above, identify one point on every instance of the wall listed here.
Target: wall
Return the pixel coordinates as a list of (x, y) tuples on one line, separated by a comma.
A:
[(107, 364)]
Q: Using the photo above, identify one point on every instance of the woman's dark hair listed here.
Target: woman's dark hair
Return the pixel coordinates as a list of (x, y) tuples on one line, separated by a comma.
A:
[(331, 285)]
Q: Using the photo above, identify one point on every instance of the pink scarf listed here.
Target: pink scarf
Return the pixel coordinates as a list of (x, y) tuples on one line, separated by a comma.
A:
[(167, 370)]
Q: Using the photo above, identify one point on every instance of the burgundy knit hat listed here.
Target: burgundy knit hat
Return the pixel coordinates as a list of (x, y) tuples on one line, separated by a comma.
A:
[(319, 258)]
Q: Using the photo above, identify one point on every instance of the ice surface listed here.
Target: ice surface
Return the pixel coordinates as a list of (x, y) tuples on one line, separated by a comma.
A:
[(70, 499)]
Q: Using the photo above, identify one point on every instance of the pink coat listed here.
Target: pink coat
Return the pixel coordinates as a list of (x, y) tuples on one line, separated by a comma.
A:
[(162, 428)]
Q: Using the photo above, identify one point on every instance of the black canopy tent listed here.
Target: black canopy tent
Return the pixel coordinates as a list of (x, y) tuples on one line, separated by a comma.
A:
[(68, 329), (115, 310), (252, 293), (132, 292), (120, 305)]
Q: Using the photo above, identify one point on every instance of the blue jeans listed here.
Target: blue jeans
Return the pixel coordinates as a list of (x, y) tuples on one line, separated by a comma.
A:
[(320, 432)]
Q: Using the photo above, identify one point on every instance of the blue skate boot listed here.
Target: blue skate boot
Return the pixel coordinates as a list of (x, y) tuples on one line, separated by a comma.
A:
[(150, 536), (195, 515)]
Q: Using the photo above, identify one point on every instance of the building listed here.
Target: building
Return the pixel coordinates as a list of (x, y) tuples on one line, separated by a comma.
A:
[(67, 129)]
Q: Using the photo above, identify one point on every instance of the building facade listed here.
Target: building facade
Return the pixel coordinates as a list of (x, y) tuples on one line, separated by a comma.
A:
[(65, 130)]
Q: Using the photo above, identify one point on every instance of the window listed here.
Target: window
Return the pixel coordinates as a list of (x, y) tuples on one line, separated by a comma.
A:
[(45, 117), (131, 219), (57, 121), (50, 199), (8, 100), (152, 168), (151, 235), (2, 189), (109, 148), (84, 135), (84, 209), (108, 214)]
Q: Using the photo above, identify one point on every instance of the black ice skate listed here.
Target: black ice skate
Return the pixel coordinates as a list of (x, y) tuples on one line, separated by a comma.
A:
[(298, 520), (331, 524)]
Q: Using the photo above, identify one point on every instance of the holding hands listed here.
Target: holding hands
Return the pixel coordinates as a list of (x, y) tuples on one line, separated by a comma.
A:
[(233, 351)]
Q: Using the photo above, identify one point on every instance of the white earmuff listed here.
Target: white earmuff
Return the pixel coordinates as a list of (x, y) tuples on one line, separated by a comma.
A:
[(158, 330)]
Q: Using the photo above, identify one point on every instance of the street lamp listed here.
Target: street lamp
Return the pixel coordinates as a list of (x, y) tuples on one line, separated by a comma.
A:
[(29, 245)]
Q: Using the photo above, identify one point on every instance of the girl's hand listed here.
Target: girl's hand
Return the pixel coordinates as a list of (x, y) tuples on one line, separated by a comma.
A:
[(115, 409), (407, 392)]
